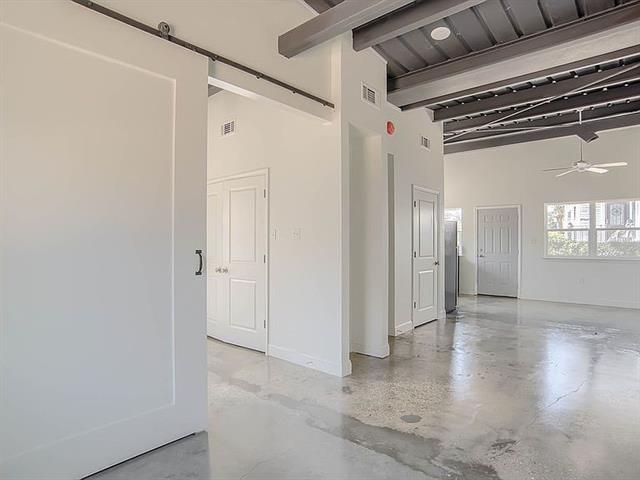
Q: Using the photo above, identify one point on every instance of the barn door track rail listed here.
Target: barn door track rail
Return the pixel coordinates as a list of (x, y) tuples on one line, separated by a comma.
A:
[(164, 31)]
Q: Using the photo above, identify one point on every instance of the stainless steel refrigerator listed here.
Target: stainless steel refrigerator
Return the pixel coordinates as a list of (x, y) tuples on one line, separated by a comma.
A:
[(450, 266)]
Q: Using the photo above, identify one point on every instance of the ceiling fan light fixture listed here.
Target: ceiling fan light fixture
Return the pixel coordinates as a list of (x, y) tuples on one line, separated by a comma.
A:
[(440, 33)]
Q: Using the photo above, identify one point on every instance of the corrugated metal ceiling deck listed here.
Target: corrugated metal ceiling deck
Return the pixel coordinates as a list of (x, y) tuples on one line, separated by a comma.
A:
[(478, 28)]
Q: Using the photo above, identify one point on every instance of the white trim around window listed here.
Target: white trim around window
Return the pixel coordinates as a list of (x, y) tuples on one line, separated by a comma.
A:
[(629, 230)]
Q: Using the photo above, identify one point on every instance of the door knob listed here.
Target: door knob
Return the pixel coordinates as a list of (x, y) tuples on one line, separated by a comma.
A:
[(436, 262), (481, 256), (218, 270), (225, 270)]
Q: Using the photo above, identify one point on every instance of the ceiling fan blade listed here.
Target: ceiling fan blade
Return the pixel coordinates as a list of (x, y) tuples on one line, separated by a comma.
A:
[(566, 173), (597, 170), (614, 164), (555, 169)]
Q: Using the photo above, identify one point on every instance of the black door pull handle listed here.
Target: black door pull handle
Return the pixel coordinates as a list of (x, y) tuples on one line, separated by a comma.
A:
[(201, 265)]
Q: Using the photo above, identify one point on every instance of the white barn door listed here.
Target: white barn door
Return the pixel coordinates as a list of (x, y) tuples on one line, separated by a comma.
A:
[(236, 273), (102, 206), (498, 251), (425, 256)]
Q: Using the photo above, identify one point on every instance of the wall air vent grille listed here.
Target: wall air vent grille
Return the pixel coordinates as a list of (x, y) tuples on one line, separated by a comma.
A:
[(228, 128), (425, 143), (369, 95)]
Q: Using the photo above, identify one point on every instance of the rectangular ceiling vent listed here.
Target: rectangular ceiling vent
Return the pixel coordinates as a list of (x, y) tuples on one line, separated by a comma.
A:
[(228, 128), (425, 143), (370, 96)]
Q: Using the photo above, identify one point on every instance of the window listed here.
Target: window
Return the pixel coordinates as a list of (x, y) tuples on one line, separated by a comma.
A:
[(618, 228), (455, 215), (607, 229)]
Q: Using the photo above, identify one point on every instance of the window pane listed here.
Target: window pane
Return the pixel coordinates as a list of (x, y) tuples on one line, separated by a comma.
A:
[(568, 244), (619, 243), (453, 214), (618, 214), (568, 215)]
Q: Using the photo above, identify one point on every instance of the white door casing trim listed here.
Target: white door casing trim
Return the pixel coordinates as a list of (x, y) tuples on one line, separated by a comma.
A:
[(476, 210), (255, 173)]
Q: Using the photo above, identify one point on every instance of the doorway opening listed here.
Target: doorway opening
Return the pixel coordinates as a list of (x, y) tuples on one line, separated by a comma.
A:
[(368, 244), (498, 251), (237, 257)]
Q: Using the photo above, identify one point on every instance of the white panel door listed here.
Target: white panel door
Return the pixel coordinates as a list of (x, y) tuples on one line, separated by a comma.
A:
[(102, 206), (498, 251), (237, 268), (425, 256)]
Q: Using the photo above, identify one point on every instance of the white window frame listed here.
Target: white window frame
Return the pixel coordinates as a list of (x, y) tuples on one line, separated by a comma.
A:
[(592, 229)]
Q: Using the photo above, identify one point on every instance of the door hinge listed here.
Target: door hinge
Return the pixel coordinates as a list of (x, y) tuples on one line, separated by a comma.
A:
[(414, 254), (264, 193), (264, 258), (415, 305), (415, 204), (264, 323)]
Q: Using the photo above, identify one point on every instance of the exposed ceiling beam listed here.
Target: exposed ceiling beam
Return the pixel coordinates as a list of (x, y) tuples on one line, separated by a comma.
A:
[(407, 20), (335, 21), (541, 123), (501, 140), (606, 78), (551, 38), (547, 72), (557, 106), (318, 5)]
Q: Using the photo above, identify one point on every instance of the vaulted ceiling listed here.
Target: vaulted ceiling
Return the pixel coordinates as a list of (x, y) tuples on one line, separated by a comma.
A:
[(596, 90)]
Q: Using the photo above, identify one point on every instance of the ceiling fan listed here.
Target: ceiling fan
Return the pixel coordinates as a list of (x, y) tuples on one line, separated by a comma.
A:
[(581, 166)]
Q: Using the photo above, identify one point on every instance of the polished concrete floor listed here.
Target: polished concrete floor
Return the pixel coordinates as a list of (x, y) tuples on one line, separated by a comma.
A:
[(507, 390)]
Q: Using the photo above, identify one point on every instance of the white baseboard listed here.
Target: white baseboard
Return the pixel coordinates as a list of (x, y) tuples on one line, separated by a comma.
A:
[(379, 351), (403, 328), (594, 302), (308, 361)]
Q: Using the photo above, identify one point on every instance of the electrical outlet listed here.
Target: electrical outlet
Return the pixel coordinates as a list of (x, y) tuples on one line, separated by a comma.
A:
[(297, 233), (274, 233)]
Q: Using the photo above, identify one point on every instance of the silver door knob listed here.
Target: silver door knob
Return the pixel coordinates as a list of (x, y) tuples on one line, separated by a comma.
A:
[(218, 270), (436, 262), (225, 270), (481, 256)]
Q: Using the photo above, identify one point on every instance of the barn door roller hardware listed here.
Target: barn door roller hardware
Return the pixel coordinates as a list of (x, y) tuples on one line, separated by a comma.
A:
[(164, 31)]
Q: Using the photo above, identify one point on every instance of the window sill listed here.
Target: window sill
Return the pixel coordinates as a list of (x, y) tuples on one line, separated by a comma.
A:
[(615, 259)]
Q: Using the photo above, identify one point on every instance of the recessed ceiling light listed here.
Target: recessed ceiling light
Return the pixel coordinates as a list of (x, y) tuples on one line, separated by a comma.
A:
[(440, 33)]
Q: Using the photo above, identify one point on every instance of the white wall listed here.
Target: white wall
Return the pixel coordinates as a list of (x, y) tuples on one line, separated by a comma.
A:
[(302, 155), (307, 311), (413, 165), (245, 31), (512, 175)]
